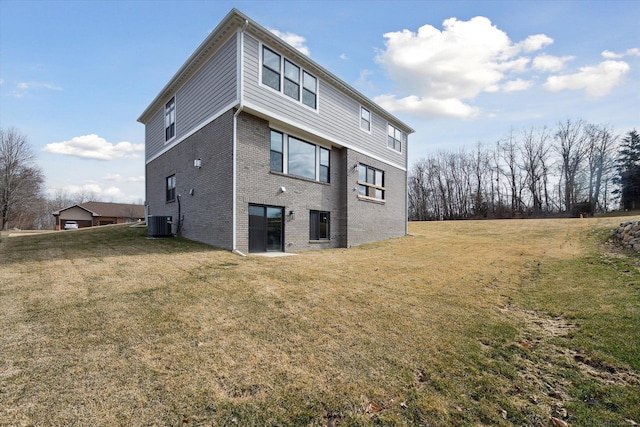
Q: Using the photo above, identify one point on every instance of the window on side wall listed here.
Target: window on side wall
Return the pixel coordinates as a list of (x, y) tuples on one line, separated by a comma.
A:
[(365, 119), (270, 68), (318, 225), (309, 90), (171, 188), (170, 119), (371, 182), (394, 138)]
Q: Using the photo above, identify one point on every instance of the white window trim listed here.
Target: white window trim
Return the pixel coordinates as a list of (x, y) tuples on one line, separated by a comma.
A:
[(370, 119), (401, 138), (285, 155), (175, 122), (281, 91)]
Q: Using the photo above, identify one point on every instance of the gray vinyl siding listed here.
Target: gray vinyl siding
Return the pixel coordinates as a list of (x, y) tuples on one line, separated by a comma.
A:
[(211, 88), (154, 135), (337, 117)]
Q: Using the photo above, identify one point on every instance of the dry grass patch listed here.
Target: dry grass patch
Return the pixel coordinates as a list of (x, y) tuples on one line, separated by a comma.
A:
[(451, 325)]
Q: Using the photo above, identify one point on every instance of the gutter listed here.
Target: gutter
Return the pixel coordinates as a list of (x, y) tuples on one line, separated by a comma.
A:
[(235, 142)]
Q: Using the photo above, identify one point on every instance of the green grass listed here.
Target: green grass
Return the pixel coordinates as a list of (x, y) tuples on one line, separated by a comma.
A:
[(462, 323)]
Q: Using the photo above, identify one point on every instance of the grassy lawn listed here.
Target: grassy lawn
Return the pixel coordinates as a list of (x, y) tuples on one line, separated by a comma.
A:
[(461, 323)]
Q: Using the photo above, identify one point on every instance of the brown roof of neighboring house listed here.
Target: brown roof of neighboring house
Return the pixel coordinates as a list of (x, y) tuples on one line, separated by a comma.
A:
[(118, 210), (121, 210)]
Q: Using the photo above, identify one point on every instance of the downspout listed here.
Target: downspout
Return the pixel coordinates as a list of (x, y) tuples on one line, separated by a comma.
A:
[(406, 188), (235, 142)]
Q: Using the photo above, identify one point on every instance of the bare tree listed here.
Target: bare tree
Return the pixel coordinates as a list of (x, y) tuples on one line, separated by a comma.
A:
[(512, 172), (600, 147), (21, 179), (571, 140), (535, 153)]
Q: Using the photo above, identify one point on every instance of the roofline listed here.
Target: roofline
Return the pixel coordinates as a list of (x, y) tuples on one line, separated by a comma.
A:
[(56, 213), (233, 21)]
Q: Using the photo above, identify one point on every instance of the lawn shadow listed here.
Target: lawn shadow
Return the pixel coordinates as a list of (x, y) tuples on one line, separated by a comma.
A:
[(98, 242)]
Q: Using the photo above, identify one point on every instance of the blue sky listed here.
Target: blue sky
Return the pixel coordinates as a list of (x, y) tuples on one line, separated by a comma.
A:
[(75, 75)]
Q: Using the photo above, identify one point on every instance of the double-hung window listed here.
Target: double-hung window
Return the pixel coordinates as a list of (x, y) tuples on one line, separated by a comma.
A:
[(310, 90), (318, 225), (365, 119), (270, 68), (291, 80), (370, 182), (284, 76), (394, 138), (170, 119), (171, 188)]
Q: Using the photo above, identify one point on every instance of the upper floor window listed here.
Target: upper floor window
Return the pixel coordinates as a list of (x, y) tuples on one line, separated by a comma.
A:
[(291, 80), (310, 89), (288, 78), (365, 119), (270, 68), (294, 156), (170, 119), (171, 188), (370, 182), (394, 138)]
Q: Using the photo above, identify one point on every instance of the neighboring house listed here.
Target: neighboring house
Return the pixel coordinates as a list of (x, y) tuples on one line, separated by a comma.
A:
[(252, 146), (90, 214)]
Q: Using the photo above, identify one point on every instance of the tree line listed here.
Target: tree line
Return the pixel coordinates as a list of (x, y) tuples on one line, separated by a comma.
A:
[(576, 168), (24, 203)]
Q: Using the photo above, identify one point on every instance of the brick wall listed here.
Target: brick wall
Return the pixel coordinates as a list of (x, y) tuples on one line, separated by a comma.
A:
[(370, 221), (206, 215), (258, 185)]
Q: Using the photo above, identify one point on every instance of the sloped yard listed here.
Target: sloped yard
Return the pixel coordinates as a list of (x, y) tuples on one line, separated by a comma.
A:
[(462, 323)]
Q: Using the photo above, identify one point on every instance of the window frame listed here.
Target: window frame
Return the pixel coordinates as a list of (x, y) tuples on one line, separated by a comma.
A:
[(315, 225), (273, 152), (362, 120), (392, 140), (170, 188), (304, 89), (269, 68), (319, 164), (372, 187), (170, 119)]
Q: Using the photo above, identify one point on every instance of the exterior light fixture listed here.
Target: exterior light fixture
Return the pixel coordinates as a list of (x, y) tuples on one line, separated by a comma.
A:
[(197, 163)]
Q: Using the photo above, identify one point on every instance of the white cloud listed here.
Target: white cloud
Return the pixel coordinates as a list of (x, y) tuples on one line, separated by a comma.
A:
[(596, 81), (294, 40), (1, 81), (412, 104), (96, 190), (607, 54), (535, 42), (550, 63), (23, 87), (94, 147), (517, 85), (119, 178), (344, 56), (444, 69)]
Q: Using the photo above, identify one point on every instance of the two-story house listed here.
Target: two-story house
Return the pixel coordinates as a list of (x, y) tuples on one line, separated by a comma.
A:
[(252, 146)]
